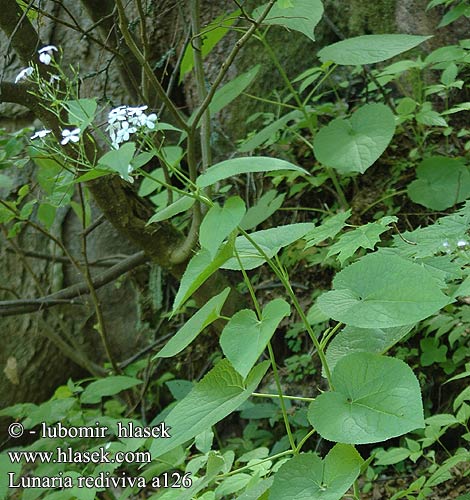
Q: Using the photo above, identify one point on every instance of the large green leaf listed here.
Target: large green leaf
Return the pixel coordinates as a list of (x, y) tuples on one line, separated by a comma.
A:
[(308, 477), (244, 338), (231, 90), (352, 339), (298, 15), (108, 386), (199, 269), (369, 49), (269, 240), (220, 222), (375, 398), (382, 291), (208, 313), (217, 395), (354, 144), (250, 164), (441, 183), (362, 237)]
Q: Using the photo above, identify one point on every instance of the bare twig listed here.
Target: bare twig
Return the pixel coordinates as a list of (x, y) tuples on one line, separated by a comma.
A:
[(15, 307)]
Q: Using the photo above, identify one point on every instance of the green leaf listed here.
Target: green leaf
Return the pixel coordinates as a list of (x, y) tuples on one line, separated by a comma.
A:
[(442, 236), (217, 395), (7, 466), (375, 398), (118, 160), (6, 182), (199, 269), (268, 134), (92, 174), (269, 240), (353, 145), (107, 387), (329, 228), (210, 37), (362, 237), (46, 214), (231, 90), (208, 313), (301, 15), (251, 164), (432, 352), (382, 291), (81, 112), (264, 208), (352, 339), (369, 49), (308, 477), (244, 338), (460, 10), (441, 183), (180, 205), (220, 222)]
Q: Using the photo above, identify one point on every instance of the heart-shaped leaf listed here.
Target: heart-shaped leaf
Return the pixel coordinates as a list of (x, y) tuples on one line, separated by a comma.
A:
[(244, 338), (352, 339), (382, 291), (308, 477), (441, 183), (375, 398), (354, 144)]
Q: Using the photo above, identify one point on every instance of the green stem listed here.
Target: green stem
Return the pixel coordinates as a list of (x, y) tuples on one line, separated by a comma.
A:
[(245, 467), (328, 334), (285, 281), (271, 354), (304, 440), (294, 398)]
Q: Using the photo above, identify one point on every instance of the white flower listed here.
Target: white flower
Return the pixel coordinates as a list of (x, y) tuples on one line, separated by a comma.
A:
[(462, 243), (137, 111), (24, 73), (148, 121), (117, 114), (123, 135), (45, 54), (70, 135), (54, 78), (40, 134)]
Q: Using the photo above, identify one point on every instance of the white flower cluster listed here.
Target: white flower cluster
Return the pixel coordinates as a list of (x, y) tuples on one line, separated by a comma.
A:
[(124, 121)]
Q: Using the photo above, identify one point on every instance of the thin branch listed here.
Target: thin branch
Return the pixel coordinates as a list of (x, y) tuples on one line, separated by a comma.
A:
[(15, 307), (101, 327), (228, 62), (180, 122)]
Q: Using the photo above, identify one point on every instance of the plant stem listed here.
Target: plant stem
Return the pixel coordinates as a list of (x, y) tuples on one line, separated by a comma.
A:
[(271, 355), (294, 398)]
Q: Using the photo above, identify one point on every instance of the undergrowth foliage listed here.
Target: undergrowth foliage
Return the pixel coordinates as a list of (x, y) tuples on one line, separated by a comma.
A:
[(391, 289)]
